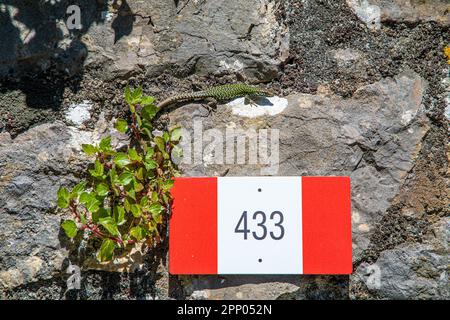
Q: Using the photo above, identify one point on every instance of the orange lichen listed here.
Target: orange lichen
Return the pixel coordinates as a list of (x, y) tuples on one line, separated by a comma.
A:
[(447, 53)]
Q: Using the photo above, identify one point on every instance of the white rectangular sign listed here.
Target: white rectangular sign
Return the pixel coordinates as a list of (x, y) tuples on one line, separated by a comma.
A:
[(259, 225)]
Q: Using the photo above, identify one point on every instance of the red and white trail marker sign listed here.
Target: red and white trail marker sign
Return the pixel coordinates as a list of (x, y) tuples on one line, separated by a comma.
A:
[(261, 225)]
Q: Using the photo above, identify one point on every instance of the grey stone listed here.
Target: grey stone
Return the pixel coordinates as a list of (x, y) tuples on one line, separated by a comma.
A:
[(32, 168), (373, 137), (407, 272), (372, 12), (205, 37)]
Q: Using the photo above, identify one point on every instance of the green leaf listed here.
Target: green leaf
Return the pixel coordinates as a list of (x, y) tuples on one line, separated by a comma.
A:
[(133, 155), (136, 95), (131, 193), (138, 187), (144, 202), (83, 219), (98, 169), (119, 215), (121, 159), (90, 201), (140, 173), (150, 165), (138, 233), (63, 197), (136, 210), (70, 228), (121, 125), (157, 218), (147, 132), (93, 205), (150, 153), (126, 178), (127, 205), (165, 198), (109, 224), (127, 95), (84, 197), (166, 137), (78, 189), (156, 208), (175, 134), (99, 214), (160, 143), (102, 189), (105, 144), (113, 176), (168, 184), (106, 251), (148, 112), (147, 100), (89, 149), (138, 120)]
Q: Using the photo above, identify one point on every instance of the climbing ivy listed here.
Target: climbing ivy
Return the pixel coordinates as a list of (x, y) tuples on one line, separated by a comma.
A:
[(126, 197)]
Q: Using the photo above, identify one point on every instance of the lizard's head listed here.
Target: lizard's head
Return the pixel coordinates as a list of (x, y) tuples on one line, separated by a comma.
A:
[(266, 92)]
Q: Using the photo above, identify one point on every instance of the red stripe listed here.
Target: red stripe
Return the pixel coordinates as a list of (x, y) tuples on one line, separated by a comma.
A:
[(326, 219), (193, 226)]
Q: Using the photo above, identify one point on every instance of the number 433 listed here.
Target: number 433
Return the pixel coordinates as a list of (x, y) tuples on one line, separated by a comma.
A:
[(276, 220)]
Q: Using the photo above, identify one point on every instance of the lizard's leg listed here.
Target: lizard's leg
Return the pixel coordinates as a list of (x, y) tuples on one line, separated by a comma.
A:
[(250, 100), (211, 104)]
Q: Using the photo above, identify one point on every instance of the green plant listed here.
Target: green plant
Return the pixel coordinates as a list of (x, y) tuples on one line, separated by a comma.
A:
[(126, 197)]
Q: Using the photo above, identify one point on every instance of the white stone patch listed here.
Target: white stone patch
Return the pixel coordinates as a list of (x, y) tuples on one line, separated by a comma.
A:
[(80, 137), (200, 295), (364, 227), (407, 116), (79, 113), (344, 56), (240, 108), (369, 14), (355, 217), (208, 159), (235, 66)]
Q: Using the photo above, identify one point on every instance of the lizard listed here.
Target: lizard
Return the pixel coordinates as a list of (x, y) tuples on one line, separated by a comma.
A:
[(219, 93)]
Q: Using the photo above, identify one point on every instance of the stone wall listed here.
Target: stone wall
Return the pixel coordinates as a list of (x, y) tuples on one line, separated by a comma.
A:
[(367, 88)]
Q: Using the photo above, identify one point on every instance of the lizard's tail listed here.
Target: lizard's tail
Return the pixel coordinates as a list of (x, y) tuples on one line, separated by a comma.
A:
[(181, 97)]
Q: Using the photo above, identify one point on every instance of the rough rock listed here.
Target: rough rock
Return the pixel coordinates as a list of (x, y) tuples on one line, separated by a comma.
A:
[(31, 172), (374, 137), (32, 168), (239, 287), (366, 12), (35, 38), (201, 37), (414, 271), (372, 12), (126, 37)]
